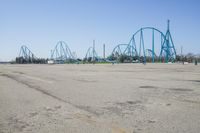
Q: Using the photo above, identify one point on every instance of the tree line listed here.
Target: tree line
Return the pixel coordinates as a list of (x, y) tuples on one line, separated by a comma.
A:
[(190, 58), (22, 60)]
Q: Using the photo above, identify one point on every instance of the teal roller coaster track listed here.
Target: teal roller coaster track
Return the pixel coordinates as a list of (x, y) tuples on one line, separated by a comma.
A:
[(137, 49)]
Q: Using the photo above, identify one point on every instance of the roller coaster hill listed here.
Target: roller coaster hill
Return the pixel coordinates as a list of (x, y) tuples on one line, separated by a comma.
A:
[(161, 47), (91, 55), (147, 44), (26, 57), (59, 55), (62, 54)]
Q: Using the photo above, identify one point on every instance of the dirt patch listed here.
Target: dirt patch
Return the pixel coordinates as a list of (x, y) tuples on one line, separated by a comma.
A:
[(85, 118), (118, 129)]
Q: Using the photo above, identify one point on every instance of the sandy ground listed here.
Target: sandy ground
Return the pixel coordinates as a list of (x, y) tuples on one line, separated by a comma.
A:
[(120, 98)]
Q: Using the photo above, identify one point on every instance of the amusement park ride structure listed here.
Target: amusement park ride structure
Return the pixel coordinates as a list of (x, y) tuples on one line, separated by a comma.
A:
[(62, 53), (167, 49), (136, 49), (91, 54), (26, 54)]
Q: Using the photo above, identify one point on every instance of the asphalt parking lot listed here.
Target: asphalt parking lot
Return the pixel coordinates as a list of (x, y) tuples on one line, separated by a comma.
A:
[(86, 98)]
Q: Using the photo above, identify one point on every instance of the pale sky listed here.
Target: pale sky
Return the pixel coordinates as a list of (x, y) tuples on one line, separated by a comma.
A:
[(40, 24)]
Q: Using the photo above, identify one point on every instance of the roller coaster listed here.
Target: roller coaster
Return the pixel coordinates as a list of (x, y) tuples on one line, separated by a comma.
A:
[(26, 53), (91, 55), (147, 44), (136, 50), (26, 56), (62, 53)]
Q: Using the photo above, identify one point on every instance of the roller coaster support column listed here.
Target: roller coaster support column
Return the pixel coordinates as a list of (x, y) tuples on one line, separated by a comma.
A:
[(93, 51), (142, 47), (167, 42), (168, 46), (153, 56)]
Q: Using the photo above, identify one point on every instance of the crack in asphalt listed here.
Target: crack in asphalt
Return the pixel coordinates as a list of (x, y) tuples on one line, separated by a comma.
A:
[(38, 88)]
